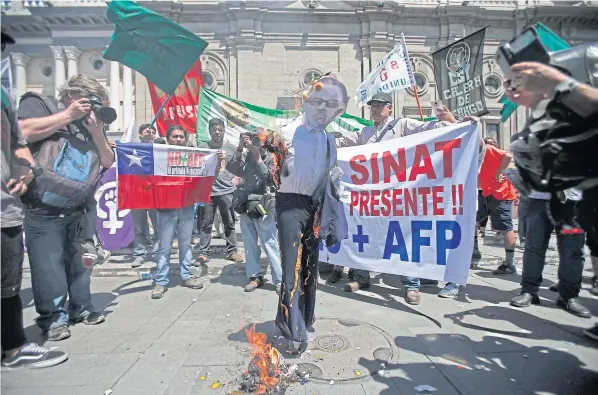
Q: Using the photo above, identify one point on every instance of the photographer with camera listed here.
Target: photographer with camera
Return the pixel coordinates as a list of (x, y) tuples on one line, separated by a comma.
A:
[(254, 201), (555, 160), (67, 140)]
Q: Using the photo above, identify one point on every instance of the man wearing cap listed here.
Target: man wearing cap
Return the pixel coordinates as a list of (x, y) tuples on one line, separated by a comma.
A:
[(385, 128)]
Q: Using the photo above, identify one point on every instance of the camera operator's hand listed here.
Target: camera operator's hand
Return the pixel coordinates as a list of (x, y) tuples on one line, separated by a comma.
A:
[(254, 152), (534, 78), (79, 109), (95, 126), (244, 140)]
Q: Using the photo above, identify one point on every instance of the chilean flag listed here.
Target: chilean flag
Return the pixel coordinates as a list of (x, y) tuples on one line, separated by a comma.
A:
[(163, 176)]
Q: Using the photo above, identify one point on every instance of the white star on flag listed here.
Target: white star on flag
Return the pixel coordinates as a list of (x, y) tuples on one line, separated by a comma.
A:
[(135, 159)]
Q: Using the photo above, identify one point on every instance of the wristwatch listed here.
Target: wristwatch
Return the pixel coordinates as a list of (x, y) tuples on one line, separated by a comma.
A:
[(36, 169), (564, 88)]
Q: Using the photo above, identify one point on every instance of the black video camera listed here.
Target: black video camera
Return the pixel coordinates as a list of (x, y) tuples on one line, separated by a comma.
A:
[(527, 47), (103, 113)]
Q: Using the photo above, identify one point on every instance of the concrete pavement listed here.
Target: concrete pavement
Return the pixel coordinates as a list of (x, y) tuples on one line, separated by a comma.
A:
[(369, 342)]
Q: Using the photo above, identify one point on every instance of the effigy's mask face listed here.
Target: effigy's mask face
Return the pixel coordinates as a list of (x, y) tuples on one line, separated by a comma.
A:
[(323, 105)]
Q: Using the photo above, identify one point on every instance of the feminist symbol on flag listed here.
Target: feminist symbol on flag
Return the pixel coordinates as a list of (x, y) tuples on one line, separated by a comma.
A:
[(108, 195)]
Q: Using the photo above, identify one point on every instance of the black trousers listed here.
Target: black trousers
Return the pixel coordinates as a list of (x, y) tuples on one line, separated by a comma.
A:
[(299, 251), (570, 249), (12, 249), (205, 221)]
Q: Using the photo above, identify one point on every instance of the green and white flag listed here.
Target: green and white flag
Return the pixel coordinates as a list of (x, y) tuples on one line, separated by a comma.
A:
[(240, 117)]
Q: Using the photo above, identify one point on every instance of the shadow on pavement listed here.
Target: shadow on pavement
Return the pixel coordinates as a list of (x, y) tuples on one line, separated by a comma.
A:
[(559, 373), (102, 301)]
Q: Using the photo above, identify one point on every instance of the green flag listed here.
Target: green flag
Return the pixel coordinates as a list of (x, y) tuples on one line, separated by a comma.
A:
[(147, 42), (552, 43), (242, 117)]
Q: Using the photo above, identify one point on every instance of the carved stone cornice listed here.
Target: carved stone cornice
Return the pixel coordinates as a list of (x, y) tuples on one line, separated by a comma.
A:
[(72, 53), (20, 59)]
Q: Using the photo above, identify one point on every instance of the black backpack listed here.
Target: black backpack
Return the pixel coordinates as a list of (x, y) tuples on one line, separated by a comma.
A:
[(71, 167)]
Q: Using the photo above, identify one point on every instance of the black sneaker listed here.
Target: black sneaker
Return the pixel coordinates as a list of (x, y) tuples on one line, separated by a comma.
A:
[(573, 307), (525, 299), (594, 288), (504, 270), (58, 333), (32, 356), (91, 319), (592, 333)]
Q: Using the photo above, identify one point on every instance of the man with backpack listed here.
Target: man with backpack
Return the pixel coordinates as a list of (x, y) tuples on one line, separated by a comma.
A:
[(67, 140)]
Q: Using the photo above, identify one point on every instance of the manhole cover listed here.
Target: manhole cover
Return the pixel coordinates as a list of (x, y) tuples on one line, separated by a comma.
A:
[(346, 349), (332, 343)]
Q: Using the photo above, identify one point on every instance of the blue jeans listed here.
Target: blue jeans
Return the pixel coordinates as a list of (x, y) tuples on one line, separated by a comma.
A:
[(265, 228), (410, 283), (570, 248), (142, 231), (57, 270), (181, 222)]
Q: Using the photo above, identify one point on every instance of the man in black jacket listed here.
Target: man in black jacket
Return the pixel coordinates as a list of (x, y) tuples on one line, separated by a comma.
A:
[(222, 199), (254, 164)]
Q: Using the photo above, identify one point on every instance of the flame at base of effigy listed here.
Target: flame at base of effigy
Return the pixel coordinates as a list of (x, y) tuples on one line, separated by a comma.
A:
[(268, 373)]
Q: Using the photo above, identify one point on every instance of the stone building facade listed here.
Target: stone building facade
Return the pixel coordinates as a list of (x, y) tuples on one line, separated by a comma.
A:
[(265, 52)]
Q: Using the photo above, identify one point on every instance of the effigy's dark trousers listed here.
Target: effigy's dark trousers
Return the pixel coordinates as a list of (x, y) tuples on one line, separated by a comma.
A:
[(299, 250)]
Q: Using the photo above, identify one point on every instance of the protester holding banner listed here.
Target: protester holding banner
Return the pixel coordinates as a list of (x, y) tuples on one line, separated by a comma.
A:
[(311, 151), (385, 127), (147, 135), (60, 215), (178, 220), (254, 201), (221, 200)]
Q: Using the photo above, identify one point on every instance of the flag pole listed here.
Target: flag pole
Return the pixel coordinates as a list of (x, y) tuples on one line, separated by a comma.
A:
[(421, 113), (160, 110), (411, 76)]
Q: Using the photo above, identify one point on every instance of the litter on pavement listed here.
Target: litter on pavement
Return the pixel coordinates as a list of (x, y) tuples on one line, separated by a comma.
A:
[(425, 387)]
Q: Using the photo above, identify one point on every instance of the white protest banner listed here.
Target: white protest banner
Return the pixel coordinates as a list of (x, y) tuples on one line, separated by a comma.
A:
[(392, 73), (410, 204)]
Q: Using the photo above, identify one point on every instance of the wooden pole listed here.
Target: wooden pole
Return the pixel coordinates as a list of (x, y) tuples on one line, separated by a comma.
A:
[(421, 113)]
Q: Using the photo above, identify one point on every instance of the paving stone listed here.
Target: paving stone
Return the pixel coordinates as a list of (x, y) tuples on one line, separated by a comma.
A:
[(95, 370), (57, 390), (154, 371), (218, 352)]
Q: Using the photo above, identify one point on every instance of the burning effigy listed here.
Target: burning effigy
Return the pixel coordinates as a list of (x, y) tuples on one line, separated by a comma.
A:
[(267, 373)]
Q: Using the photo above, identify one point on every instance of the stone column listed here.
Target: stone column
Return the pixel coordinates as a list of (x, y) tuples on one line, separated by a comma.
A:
[(127, 96), (72, 56), (115, 93), (20, 61), (59, 69)]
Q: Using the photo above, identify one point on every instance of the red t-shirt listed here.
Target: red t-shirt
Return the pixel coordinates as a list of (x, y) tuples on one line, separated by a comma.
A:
[(500, 190)]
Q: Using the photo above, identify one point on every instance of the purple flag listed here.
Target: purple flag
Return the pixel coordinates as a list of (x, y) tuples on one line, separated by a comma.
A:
[(115, 228)]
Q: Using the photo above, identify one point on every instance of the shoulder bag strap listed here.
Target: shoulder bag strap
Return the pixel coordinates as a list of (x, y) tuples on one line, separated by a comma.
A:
[(386, 129)]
